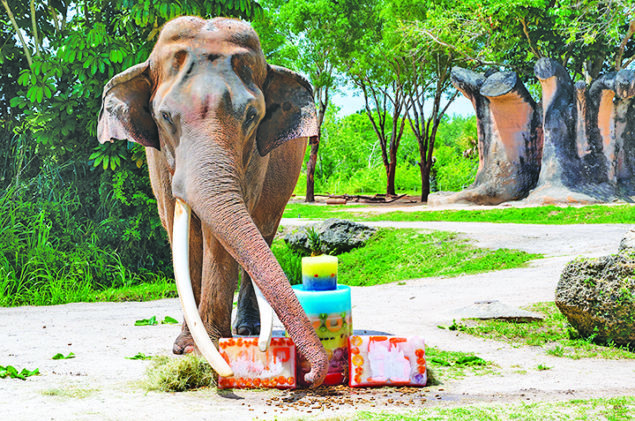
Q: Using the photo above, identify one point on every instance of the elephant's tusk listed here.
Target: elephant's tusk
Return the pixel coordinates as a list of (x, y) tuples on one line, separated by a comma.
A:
[(266, 320), (181, 260)]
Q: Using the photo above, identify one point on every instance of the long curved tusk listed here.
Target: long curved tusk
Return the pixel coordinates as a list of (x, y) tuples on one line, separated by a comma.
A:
[(181, 260), (266, 320)]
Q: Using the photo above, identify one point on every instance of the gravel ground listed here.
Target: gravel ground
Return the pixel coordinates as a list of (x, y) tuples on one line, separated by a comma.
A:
[(100, 383)]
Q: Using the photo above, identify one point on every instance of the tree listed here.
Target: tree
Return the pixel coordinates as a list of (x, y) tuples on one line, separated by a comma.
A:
[(427, 80), (303, 34), (374, 65), (586, 36)]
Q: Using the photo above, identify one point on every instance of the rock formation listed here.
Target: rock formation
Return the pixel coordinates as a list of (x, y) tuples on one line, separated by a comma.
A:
[(612, 126), (509, 138), (573, 168)]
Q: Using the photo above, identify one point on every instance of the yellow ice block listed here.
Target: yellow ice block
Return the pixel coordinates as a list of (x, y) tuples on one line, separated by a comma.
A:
[(323, 266)]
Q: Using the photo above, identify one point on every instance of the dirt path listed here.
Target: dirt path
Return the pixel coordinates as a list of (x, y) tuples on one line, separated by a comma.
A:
[(101, 384)]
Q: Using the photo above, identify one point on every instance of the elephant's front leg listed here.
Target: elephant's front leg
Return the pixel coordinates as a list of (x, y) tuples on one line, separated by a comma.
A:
[(218, 283), (247, 320)]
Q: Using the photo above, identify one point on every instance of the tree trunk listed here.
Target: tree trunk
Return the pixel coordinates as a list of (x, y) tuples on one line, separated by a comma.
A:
[(310, 169), (390, 173), (425, 180)]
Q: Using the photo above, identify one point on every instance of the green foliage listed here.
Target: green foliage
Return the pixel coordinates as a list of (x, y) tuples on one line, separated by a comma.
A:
[(409, 254), (553, 334), (350, 160), (167, 320), (147, 322), (79, 218), (60, 356), (140, 356), (11, 372), (587, 36)]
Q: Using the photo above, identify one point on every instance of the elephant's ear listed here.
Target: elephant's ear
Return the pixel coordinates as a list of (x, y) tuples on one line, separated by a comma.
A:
[(290, 110), (125, 108)]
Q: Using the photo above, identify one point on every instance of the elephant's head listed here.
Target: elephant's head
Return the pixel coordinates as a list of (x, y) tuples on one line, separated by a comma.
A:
[(207, 99)]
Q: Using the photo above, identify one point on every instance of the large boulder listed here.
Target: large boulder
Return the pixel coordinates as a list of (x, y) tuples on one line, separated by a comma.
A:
[(598, 297), (334, 236), (628, 242)]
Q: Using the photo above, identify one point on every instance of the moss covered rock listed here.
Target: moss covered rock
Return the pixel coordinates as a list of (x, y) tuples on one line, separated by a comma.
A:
[(598, 297)]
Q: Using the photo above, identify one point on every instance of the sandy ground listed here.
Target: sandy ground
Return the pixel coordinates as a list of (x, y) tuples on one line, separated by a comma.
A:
[(101, 384)]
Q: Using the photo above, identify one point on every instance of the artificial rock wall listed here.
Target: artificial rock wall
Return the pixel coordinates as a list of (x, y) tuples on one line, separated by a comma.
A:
[(578, 147)]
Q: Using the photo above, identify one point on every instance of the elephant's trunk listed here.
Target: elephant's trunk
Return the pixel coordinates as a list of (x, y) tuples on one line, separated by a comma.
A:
[(232, 225)]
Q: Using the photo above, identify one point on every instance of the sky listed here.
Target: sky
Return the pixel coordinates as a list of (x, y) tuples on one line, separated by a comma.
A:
[(351, 103)]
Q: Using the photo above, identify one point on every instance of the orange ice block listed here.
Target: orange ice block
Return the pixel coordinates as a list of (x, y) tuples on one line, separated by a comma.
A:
[(386, 361), (253, 368)]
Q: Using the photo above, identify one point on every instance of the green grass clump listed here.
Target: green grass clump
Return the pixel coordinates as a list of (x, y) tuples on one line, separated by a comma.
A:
[(443, 365), (552, 215), (161, 288), (615, 409), (179, 374), (554, 334), (397, 254)]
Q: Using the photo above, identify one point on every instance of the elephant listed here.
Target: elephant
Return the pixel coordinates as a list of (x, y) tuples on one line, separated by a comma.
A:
[(225, 134)]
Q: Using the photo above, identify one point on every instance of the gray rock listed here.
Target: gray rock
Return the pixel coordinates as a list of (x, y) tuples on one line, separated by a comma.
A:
[(598, 297), (494, 309), (334, 236), (628, 242)]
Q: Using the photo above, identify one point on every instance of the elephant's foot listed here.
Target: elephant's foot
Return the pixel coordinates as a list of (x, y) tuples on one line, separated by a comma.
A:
[(184, 343), (247, 322)]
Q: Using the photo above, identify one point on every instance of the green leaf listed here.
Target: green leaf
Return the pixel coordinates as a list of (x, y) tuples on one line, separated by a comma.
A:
[(147, 322), (169, 320), (12, 372), (60, 356), (140, 356)]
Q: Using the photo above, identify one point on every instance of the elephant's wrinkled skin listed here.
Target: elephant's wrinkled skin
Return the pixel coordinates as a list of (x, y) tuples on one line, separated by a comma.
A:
[(225, 133)]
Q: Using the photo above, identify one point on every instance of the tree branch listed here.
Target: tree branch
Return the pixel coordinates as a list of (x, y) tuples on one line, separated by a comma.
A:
[(526, 32), (454, 48), (27, 53), (620, 51), (34, 25)]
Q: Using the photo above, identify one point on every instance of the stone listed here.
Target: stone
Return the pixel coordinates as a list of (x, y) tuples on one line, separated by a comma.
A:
[(494, 309), (334, 236), (628, 242), (509, 138), (598, 297)]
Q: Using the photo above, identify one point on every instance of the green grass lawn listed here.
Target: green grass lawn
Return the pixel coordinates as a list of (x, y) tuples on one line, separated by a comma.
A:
[(397, 254), (553, 215), (391, 255), (614, 409), (553, 334)]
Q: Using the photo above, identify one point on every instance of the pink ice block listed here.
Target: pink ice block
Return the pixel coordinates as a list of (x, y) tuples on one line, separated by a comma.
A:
[(253, 368), (386, 361)]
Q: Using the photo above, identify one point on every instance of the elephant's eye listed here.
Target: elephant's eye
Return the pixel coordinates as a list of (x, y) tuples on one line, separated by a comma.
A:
[(251, 116), (166, 117)]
